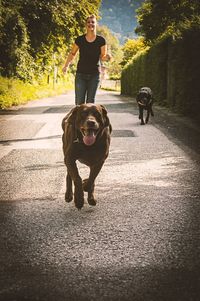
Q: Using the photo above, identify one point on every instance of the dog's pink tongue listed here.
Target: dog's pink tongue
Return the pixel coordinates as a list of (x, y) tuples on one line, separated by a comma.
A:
[(89, 139)]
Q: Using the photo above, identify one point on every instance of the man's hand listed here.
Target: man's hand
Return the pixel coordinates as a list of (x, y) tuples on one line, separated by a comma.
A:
[(108, 57), (64, 69)]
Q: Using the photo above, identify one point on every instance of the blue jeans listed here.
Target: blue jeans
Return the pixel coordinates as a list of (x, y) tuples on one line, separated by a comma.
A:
[(86, 87)]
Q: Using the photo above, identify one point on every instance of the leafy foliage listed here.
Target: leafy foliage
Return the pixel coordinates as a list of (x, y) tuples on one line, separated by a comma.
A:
[(15, 92), (131, 48), (172, 69), (159, 18), (36, 34), (113, 67), (15, 56)]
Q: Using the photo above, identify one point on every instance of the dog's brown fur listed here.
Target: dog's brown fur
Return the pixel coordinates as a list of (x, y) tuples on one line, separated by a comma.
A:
[(86, 138)]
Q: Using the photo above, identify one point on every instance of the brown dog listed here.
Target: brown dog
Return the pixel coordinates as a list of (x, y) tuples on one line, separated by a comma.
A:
[(86, 138)]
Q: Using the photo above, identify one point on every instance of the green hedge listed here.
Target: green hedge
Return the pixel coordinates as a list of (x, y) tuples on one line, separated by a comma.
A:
[(183, 89), (172, 70), (147, 69)]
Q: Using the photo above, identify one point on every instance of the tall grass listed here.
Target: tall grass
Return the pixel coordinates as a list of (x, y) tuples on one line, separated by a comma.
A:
[(14, 92)]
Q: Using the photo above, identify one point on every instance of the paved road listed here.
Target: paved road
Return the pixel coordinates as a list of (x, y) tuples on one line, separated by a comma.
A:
[(141, 241)]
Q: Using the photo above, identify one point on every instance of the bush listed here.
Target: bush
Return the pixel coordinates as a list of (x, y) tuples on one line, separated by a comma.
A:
[(15, 92)]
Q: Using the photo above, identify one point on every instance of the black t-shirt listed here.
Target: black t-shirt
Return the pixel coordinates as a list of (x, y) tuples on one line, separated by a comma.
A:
[(89, 54)]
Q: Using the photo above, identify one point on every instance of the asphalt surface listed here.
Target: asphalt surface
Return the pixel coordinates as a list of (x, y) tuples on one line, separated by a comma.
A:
[(141, 241)]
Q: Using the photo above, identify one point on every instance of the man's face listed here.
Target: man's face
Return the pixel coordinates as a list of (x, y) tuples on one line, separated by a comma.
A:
[(91, 23)]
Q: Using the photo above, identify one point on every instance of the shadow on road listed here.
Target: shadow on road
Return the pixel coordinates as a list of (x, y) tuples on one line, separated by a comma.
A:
[(112, 108), (37, 110), (41, 272), (186, 133)]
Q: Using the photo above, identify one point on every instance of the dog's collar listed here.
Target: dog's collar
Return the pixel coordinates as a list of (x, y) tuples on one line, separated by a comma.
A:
[(78, 137), (76, 140), (140, 103)]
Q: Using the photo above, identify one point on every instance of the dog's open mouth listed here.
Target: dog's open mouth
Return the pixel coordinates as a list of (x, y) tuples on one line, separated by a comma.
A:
[(89, 135)]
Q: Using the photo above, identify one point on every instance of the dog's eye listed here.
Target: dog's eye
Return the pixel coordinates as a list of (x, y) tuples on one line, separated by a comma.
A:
[(97, 114), (84, 113)]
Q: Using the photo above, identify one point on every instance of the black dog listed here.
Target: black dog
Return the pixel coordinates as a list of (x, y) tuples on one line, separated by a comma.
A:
[(145, 101)]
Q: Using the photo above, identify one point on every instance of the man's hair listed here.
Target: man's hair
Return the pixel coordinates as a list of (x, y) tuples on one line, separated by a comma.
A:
[(91, 16)]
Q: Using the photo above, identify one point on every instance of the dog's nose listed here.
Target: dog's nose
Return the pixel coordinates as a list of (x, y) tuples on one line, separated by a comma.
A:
[(90, 123)]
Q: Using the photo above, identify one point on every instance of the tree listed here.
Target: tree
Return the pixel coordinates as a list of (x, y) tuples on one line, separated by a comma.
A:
[(113, 67), (158, 18), (39, 31), (131, 48), (14, 43)]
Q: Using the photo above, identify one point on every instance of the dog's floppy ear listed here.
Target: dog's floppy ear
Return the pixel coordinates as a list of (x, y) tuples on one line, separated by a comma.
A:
[(105, 117), (70, 117)]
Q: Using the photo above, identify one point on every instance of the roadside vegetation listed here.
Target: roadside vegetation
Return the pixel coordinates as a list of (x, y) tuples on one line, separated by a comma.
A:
[(170, 63), (35, 37), (14, 92)]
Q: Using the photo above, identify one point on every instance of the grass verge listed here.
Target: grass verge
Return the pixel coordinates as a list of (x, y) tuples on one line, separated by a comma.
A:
[(14, 92)]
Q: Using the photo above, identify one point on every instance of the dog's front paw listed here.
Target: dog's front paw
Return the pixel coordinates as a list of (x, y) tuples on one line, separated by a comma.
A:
[(92, 201), (68, 197), (79, 202), (79, 199)]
